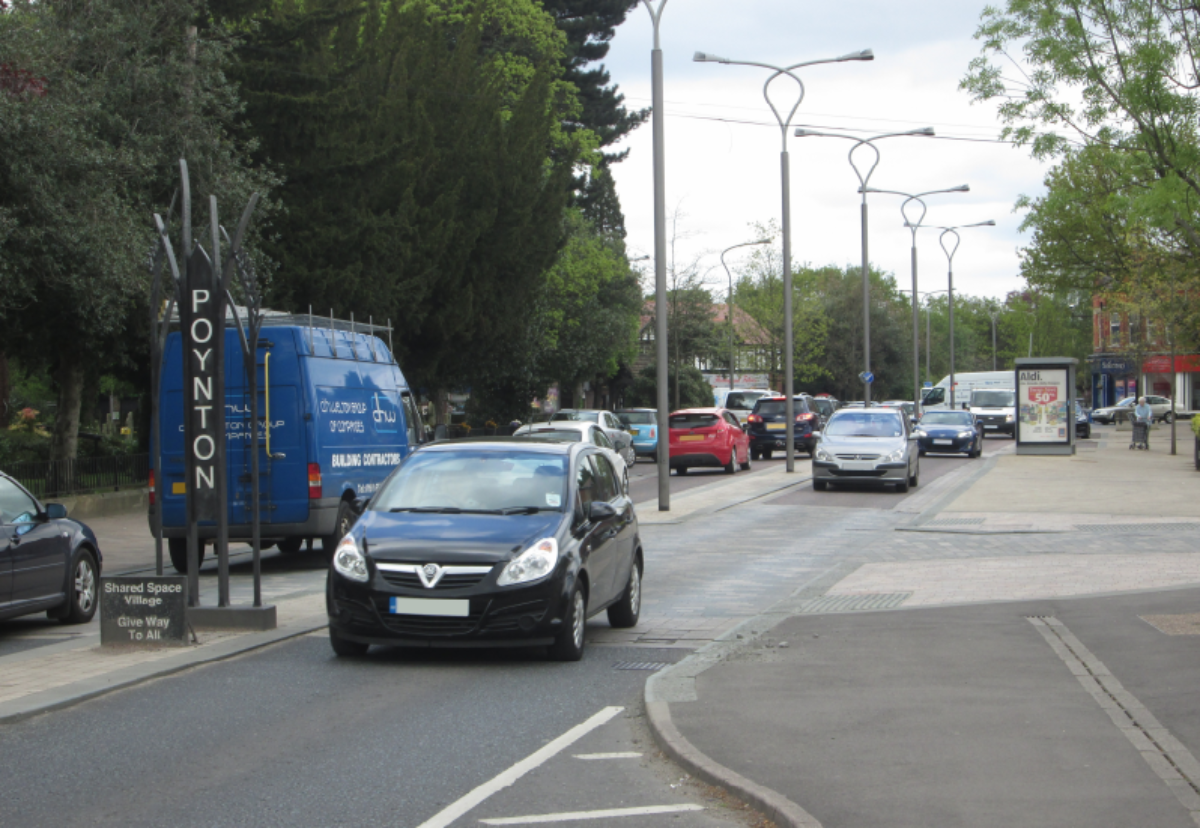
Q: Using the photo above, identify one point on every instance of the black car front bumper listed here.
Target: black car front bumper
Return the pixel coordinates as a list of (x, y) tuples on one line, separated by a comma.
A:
[(518, 616)]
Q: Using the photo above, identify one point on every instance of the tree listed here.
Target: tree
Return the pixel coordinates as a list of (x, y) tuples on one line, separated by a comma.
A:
[(124, 92)]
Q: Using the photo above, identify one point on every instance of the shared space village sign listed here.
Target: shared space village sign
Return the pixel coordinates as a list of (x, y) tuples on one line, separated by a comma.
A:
[(147, 612)]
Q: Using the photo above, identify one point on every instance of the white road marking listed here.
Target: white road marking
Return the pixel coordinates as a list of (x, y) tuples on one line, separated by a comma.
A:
[(572, 816), (624, 755), (456, 809)]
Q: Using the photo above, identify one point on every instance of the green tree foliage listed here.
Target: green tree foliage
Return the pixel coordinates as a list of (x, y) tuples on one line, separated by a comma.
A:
[(123, 93), (427, 168), (694, 391)]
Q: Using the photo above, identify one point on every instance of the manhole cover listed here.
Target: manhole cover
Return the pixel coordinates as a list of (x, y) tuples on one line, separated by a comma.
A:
[(640, 665), (853, 603)]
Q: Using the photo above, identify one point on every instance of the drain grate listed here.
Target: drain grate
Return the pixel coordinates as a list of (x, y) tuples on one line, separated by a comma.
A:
[(956, 522), (640, 665), (852, 603), (1137, 527)]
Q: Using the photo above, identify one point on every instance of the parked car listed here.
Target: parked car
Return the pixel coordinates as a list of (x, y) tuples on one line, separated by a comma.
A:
[(1161, 406), (767, 425), (740, 400), (48, 562), (342, 416), (577, 431), (875, 446), (707, 437), (945, 430), (621, 439), (824, 408), (1109, 414), (1083, 426), (643, 424), (529, 540)]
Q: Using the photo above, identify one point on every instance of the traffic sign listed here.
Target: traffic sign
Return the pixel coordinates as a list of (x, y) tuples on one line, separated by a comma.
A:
[(867, 377)]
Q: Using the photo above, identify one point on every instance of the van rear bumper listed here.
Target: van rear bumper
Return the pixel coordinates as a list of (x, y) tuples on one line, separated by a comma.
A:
[(322, 514)]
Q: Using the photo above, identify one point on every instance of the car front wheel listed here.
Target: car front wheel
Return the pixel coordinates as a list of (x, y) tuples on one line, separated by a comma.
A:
[(568, 646), (345, 648), (82, 591)]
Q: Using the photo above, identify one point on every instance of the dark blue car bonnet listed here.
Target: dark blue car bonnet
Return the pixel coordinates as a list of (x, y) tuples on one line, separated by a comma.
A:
[(449, 539)]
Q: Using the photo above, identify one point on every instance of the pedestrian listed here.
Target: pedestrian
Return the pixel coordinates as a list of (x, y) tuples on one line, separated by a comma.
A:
[(1143, 415)]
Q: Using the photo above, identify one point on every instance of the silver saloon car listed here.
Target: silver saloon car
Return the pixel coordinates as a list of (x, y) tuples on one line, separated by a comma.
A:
[(876, 446)]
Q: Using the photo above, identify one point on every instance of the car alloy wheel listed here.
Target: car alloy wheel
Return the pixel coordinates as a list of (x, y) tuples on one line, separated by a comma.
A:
[(85, 586), (568, 646)]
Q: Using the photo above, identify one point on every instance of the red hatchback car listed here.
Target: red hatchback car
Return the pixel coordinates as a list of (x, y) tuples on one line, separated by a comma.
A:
[(707, 437)]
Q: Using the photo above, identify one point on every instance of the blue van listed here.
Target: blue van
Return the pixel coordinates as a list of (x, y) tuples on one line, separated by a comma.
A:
[(335, 417)]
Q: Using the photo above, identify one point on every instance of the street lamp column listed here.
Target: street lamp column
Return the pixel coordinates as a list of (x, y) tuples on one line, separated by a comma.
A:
[(729, 306), (662, 452), (952, 232)]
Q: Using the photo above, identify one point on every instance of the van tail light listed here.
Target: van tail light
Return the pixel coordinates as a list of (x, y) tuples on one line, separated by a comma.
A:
[(754, 418), (152, 487), (314, 481)]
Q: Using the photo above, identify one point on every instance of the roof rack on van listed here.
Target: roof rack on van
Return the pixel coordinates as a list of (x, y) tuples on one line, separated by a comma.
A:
[(282, 319)]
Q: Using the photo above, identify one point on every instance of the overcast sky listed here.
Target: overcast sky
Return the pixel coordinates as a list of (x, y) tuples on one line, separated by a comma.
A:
[(722, 143)]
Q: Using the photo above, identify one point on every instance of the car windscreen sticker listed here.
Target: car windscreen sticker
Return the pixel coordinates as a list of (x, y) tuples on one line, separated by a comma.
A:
[(554, 500)]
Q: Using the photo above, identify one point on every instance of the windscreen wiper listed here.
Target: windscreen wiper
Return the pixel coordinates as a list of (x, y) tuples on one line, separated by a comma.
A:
[(444, 510), (525, 510)]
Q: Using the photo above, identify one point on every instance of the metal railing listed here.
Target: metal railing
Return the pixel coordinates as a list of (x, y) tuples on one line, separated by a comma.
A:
[(59, 478)]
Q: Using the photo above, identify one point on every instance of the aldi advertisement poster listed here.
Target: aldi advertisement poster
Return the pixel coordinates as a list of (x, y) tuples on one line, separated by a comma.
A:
[(1042, 406)]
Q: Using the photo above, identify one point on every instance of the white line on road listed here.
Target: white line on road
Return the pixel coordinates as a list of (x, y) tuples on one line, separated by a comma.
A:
[(624, 755), (571, 816), (456, 809)]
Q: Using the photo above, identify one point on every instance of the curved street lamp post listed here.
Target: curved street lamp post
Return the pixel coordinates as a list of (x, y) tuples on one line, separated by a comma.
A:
[(864, 179), (729, 307), (950, 251), (784, 123)]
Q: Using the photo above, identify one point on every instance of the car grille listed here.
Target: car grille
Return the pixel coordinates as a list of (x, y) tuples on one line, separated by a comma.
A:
[(425, 624), (410, 580), (858, 456), (858, 472)]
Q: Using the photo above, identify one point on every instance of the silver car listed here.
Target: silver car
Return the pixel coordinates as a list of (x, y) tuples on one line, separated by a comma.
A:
[(867, 446)]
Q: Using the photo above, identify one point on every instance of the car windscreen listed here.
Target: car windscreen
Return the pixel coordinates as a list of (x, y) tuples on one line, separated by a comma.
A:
[(950, 418), (742, 400), (474, 480), (580, 416), (993, 399), (569, 435), (865, 424), (637, 417), (778, 408), (693, 420)]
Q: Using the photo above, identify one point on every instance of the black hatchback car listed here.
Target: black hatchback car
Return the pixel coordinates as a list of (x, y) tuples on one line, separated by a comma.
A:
[(48, 562), (488, 543), (767, 425)]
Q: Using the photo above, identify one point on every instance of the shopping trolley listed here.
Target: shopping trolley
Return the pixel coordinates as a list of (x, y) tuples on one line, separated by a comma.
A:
[(1141, 435)]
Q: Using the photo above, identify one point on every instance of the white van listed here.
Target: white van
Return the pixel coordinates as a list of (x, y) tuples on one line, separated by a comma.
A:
[(740, 400), (939, 395)]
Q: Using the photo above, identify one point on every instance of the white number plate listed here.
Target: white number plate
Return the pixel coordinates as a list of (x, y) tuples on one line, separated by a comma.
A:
[(444, 607), (943, 442), (858, 465)]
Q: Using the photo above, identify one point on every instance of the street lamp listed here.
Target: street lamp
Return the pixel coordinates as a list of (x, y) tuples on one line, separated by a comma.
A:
[(784, 123), (950, 251), (863, 187), (914, 226), (928, 314), (660, 259), (994, 315), (729, 307)]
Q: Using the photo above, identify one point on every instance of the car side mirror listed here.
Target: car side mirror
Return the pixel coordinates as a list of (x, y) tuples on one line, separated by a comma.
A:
[(360, 505), (599, 510), (55, 511)]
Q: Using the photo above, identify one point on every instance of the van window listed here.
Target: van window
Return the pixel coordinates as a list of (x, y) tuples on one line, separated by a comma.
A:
[(934, 396), (412, 421)]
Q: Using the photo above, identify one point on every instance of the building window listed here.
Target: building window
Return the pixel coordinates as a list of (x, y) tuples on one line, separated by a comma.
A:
[(1114, 330)]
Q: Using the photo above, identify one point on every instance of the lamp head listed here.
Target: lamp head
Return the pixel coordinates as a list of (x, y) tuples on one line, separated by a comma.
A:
[(865, 54), (961, 188), (705, 57), (923, 131), (801, 132), (762, 241)]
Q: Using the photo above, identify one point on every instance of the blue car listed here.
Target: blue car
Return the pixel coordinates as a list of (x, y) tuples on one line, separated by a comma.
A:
[(643, 424), (954, 432)]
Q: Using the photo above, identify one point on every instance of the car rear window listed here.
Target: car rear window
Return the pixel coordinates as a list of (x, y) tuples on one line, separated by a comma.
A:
[(578, 416), (636, 417), (569, 435), (778, 408), (693, 420)]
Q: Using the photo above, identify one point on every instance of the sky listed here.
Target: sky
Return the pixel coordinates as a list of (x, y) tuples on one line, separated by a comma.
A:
[(722, 144)]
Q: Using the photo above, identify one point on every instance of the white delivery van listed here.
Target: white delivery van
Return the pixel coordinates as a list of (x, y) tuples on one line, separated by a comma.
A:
[(939, 395)]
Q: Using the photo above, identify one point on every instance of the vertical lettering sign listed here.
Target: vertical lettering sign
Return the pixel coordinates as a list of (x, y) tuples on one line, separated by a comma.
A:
[(204, 414)]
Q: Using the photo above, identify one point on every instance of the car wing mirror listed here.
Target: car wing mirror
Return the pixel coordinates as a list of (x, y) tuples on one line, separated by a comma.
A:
[(55, 511), (360, 505), (599, 510)]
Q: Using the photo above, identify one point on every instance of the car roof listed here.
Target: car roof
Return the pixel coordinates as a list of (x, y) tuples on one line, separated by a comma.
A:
[(502, 444), (559, 425), (634, 410), (712, 410)]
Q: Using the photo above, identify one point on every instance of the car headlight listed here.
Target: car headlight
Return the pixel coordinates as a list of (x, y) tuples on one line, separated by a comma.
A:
[(962, 435), (822, 454), (1008, 418), (349, 561), (537, 561), (895, 457)]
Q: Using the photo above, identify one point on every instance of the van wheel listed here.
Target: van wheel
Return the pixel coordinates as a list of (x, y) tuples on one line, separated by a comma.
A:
[(341, 525), (290, 546), (177, 549)]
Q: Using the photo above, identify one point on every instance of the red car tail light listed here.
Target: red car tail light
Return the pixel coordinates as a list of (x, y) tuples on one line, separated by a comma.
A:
[(754, 418), (804, 418), (314, 481), (152, 487)]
